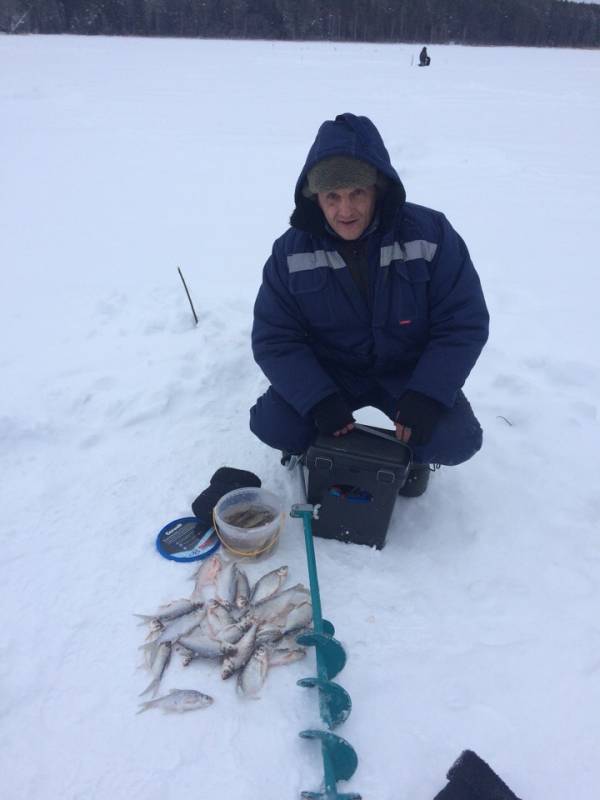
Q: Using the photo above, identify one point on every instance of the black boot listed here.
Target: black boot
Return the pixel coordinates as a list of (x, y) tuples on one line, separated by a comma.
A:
[(287, 458), (417, 481), (470, 778)]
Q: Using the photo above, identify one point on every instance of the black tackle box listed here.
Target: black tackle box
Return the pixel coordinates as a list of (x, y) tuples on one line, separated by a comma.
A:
[(355, 478)]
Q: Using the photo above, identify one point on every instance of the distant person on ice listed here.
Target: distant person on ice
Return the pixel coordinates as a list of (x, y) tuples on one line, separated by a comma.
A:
[(367, 300), (424, 60)]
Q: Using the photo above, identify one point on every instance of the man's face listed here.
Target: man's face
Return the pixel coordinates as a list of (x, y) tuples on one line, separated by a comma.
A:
[(348, 211)]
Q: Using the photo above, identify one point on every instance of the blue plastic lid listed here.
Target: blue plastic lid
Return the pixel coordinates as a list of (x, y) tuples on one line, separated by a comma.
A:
[(187, 539)]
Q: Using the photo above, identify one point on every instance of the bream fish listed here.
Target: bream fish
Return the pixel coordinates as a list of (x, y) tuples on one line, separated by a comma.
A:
[(268, 585)]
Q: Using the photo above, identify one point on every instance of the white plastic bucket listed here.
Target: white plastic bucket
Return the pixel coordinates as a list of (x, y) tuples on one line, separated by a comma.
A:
[(254, 541)]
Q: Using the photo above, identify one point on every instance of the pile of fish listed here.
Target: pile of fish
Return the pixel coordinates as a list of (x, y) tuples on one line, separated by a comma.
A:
[(247, 629)]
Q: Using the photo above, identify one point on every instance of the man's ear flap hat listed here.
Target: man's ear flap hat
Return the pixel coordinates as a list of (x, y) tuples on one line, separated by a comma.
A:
[(341, 172)]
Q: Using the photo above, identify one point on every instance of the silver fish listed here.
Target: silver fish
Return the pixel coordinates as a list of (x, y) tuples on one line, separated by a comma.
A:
[(178, 700), (280, 604), (203, 647), (268, 585), (187, 656), (159, 665), (278, 656), (207, 566), (241, 588), (233, 633), (179, 624), (179, 627), (245, 648), (298, 618), (218, 616), (169, 612), (206, 575), (225, 585), (252, 677), (289, 641), (268, 632)]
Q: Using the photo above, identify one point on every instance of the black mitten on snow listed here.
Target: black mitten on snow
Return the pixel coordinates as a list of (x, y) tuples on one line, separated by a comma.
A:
[(470, 778), (332, 414), (225, 479), (420, 413)]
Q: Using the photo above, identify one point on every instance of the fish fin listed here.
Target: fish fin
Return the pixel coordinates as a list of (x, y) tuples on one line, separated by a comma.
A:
[(194, 574), (145, 707)]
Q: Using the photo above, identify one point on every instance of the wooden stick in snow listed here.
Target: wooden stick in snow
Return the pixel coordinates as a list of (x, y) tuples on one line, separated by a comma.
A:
[(188, 294)]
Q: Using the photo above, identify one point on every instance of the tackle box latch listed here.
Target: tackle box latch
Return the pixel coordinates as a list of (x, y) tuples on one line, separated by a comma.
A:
[(386, 476)]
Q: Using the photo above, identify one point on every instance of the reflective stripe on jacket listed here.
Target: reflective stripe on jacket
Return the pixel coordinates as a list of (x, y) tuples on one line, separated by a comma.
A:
[(313, 333)]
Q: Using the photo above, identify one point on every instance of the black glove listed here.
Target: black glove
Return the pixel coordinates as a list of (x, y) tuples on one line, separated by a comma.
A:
[(420, 413), (332, 414), (225, 479)]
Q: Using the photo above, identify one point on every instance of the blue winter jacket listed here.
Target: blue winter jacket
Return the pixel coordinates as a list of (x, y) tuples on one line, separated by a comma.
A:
[(314, 333)]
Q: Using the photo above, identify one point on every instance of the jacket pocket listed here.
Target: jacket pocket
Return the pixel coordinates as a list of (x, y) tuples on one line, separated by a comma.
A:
[(309, 289), (408, 318)]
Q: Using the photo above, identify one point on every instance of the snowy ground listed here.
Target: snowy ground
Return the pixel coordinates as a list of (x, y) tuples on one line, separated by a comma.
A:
[(477, 626)]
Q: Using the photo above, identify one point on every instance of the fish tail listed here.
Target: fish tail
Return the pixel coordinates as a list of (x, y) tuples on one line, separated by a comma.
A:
[(145, 707), (150, 651), (144, 617), (152, 686)]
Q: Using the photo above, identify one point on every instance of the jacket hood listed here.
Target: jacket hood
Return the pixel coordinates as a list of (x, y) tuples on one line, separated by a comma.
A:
[(357, 137)]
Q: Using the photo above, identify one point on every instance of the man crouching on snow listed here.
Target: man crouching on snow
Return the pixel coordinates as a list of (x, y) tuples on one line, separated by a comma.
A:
[(367, 301)]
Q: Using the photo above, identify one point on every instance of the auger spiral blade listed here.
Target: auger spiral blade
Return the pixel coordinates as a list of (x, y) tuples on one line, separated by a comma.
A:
[(339, 762), (330, 652), (334, 700)]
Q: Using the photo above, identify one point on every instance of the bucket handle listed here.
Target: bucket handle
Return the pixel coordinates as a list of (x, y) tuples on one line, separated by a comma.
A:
[(251, 553)]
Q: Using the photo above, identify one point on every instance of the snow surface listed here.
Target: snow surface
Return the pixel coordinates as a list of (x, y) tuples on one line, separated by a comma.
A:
[(478, 625)]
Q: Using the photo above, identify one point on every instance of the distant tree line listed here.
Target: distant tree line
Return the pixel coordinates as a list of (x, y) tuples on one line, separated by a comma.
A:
[(508, 22)]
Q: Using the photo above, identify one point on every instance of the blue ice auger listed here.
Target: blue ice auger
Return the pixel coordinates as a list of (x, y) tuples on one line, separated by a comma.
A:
[(339, 758)]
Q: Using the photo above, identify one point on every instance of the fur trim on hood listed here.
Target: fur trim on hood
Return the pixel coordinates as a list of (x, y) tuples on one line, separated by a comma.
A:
[(356, 137)]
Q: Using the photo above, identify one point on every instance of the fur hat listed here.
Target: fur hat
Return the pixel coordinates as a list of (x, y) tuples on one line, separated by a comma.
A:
[(339, 172)]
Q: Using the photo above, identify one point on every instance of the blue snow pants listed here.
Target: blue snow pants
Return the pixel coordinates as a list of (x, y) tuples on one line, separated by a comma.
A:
[(456, 437)]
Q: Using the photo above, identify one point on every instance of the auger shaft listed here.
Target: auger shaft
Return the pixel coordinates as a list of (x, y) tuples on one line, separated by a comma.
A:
[(339, 759), (313, 577)]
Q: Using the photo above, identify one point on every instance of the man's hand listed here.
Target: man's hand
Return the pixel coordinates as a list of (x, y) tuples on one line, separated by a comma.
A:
[(403, 432), (344, 430), (333, 416), (417, 417)]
